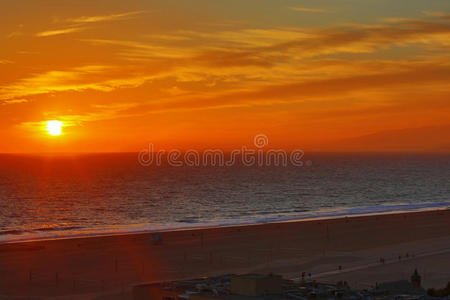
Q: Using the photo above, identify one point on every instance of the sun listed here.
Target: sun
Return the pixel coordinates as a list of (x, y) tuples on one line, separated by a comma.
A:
[(54, 127)]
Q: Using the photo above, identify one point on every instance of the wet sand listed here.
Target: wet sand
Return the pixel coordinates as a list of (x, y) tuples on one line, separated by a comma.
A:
[(82, 268)]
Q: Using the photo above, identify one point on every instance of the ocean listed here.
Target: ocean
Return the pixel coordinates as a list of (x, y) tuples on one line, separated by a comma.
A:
[(93, 194)]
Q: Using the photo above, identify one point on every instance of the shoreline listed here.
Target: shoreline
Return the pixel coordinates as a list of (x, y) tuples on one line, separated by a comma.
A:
[(89, 265), (346, 212)]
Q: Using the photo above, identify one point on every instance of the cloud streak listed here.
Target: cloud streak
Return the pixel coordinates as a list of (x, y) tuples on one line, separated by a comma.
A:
[(267, 47), (78, 22), (75, 79), (13, 101), (54, 32), (246, 57), (104, 18), (308, 10), (188, 70)]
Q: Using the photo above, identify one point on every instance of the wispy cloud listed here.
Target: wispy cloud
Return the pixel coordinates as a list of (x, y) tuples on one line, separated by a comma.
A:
[(434, 13), (111, 17), (50, 81), (368, 38), (311, 91), (309, 10), (98, 78), (99, 112), (59, 31), (13, 101), (146, 50), (5, 61), (244, 60), (268, 47), (77, 23)]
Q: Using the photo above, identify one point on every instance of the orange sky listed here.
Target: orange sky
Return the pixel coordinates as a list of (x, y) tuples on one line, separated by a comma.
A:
[(316, 75)]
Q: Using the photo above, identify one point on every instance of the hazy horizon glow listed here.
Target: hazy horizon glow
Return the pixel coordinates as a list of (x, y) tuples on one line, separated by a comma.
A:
[(317, 75)]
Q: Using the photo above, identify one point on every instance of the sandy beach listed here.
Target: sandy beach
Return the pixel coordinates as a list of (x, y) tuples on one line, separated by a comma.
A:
[(84, 268)]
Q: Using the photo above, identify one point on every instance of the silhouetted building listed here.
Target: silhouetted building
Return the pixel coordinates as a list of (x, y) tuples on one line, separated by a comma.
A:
[(416, 280)]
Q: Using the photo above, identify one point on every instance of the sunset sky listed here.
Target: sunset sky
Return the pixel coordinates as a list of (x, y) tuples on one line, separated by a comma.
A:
[(317, 75)]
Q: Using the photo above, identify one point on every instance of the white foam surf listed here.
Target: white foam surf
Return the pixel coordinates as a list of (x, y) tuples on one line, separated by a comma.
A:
[(62, 233)]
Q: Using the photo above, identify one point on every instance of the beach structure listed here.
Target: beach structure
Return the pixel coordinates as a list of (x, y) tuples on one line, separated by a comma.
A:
[(416, 280), (185, 289), (243, 287), (256, 284), (399, 287), (274, 287), (404, 288)]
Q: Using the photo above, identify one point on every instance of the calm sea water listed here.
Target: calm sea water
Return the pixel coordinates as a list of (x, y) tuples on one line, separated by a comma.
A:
[(45, 196)]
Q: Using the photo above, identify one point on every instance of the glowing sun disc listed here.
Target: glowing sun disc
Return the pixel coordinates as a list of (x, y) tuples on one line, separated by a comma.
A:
[(54, 127)]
